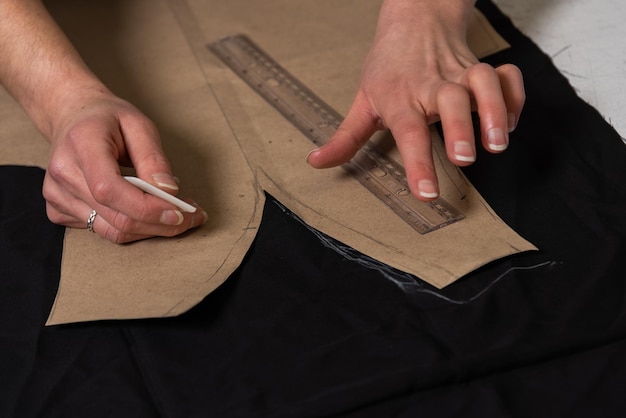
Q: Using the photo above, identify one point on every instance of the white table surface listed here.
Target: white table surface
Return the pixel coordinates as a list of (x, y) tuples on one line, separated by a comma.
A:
[(587, 42)]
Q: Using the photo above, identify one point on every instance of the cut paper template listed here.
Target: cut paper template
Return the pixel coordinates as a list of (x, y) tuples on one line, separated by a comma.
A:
[(227, 145)]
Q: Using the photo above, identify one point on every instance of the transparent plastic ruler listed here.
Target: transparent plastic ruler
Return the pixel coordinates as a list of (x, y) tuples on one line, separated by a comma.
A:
[(382, 176)]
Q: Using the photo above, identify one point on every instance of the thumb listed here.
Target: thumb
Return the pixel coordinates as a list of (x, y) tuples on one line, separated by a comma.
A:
[(144, 149), (358, 126)]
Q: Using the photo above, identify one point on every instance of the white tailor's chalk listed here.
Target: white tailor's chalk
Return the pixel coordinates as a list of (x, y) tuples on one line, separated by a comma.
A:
[(155, 191)]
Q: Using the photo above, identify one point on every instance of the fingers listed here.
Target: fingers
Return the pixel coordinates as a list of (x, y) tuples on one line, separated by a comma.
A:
[(499, 96), (353, 132), (454, 108), (484, 85), (512, 84), (412, 134), (84, 175), (71, 210), (88, 169), (146, 153), (410, 131)]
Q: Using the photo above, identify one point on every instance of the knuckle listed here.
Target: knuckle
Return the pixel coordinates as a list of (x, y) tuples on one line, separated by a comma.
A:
[(481, 70), (102, 191), (418, 171), (48, 193), (56, 167), (348, 137), (462, 127), (149, 126), (123, 223), (509, 70), (410, 124), (156, 158), (132, 223), (114, 235), (449, 89), (139, 122), (75, 134), (423, 167), (404, 131), (491, 108), (53, 215)]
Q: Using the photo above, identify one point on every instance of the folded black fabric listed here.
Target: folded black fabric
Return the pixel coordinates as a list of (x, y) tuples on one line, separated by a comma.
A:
[(307, 327)]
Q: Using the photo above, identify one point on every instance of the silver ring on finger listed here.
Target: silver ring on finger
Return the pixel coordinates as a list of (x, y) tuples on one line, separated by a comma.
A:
[(90, 220)]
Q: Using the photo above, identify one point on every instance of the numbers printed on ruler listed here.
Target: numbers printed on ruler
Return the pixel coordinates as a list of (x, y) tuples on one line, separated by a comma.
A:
[(318, 121)]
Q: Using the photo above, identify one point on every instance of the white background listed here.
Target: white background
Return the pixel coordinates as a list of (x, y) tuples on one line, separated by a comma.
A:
[(587, 42)]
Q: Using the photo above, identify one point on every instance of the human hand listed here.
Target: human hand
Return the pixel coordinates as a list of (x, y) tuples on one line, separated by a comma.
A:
[(100, 133), (91, 132), (414, 77)]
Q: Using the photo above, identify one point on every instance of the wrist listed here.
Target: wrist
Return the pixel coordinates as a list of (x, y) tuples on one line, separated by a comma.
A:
[(40, 67), (435, 31), (450, 15), (57, 106)]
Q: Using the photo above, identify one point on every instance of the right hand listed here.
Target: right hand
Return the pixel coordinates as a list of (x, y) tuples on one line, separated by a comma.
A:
[(420, 70)]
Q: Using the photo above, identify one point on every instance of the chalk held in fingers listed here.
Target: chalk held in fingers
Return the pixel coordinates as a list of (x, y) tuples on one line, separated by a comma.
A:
[(155, 191)]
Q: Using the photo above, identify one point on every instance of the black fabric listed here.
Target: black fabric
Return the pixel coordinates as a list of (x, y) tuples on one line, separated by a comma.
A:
[(30, 252), (307, 328)]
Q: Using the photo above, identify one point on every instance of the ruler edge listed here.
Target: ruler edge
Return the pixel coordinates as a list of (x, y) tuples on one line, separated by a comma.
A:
[(217, 46)]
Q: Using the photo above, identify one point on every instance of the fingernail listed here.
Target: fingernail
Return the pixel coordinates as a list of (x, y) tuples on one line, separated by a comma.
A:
[(511, 122), (496, 139), (464, 151), (165, 181), (172, 217), (200, 219), (427, 189), (309, 154)]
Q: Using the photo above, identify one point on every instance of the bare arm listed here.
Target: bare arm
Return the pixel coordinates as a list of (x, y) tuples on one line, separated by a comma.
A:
[(91, 132), (40, 67)]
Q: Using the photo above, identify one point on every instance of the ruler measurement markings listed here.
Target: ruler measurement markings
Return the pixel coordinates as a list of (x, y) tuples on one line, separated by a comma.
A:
[(318, 121)]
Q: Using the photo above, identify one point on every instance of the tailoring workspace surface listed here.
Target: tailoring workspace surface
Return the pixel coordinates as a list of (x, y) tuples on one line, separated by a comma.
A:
[(585, 39), (301, 330)]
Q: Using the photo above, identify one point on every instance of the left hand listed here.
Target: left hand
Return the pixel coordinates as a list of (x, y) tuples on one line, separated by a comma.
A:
[(95, 133)]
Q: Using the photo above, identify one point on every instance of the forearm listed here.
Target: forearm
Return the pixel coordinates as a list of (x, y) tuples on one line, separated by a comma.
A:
[(39, 66)]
